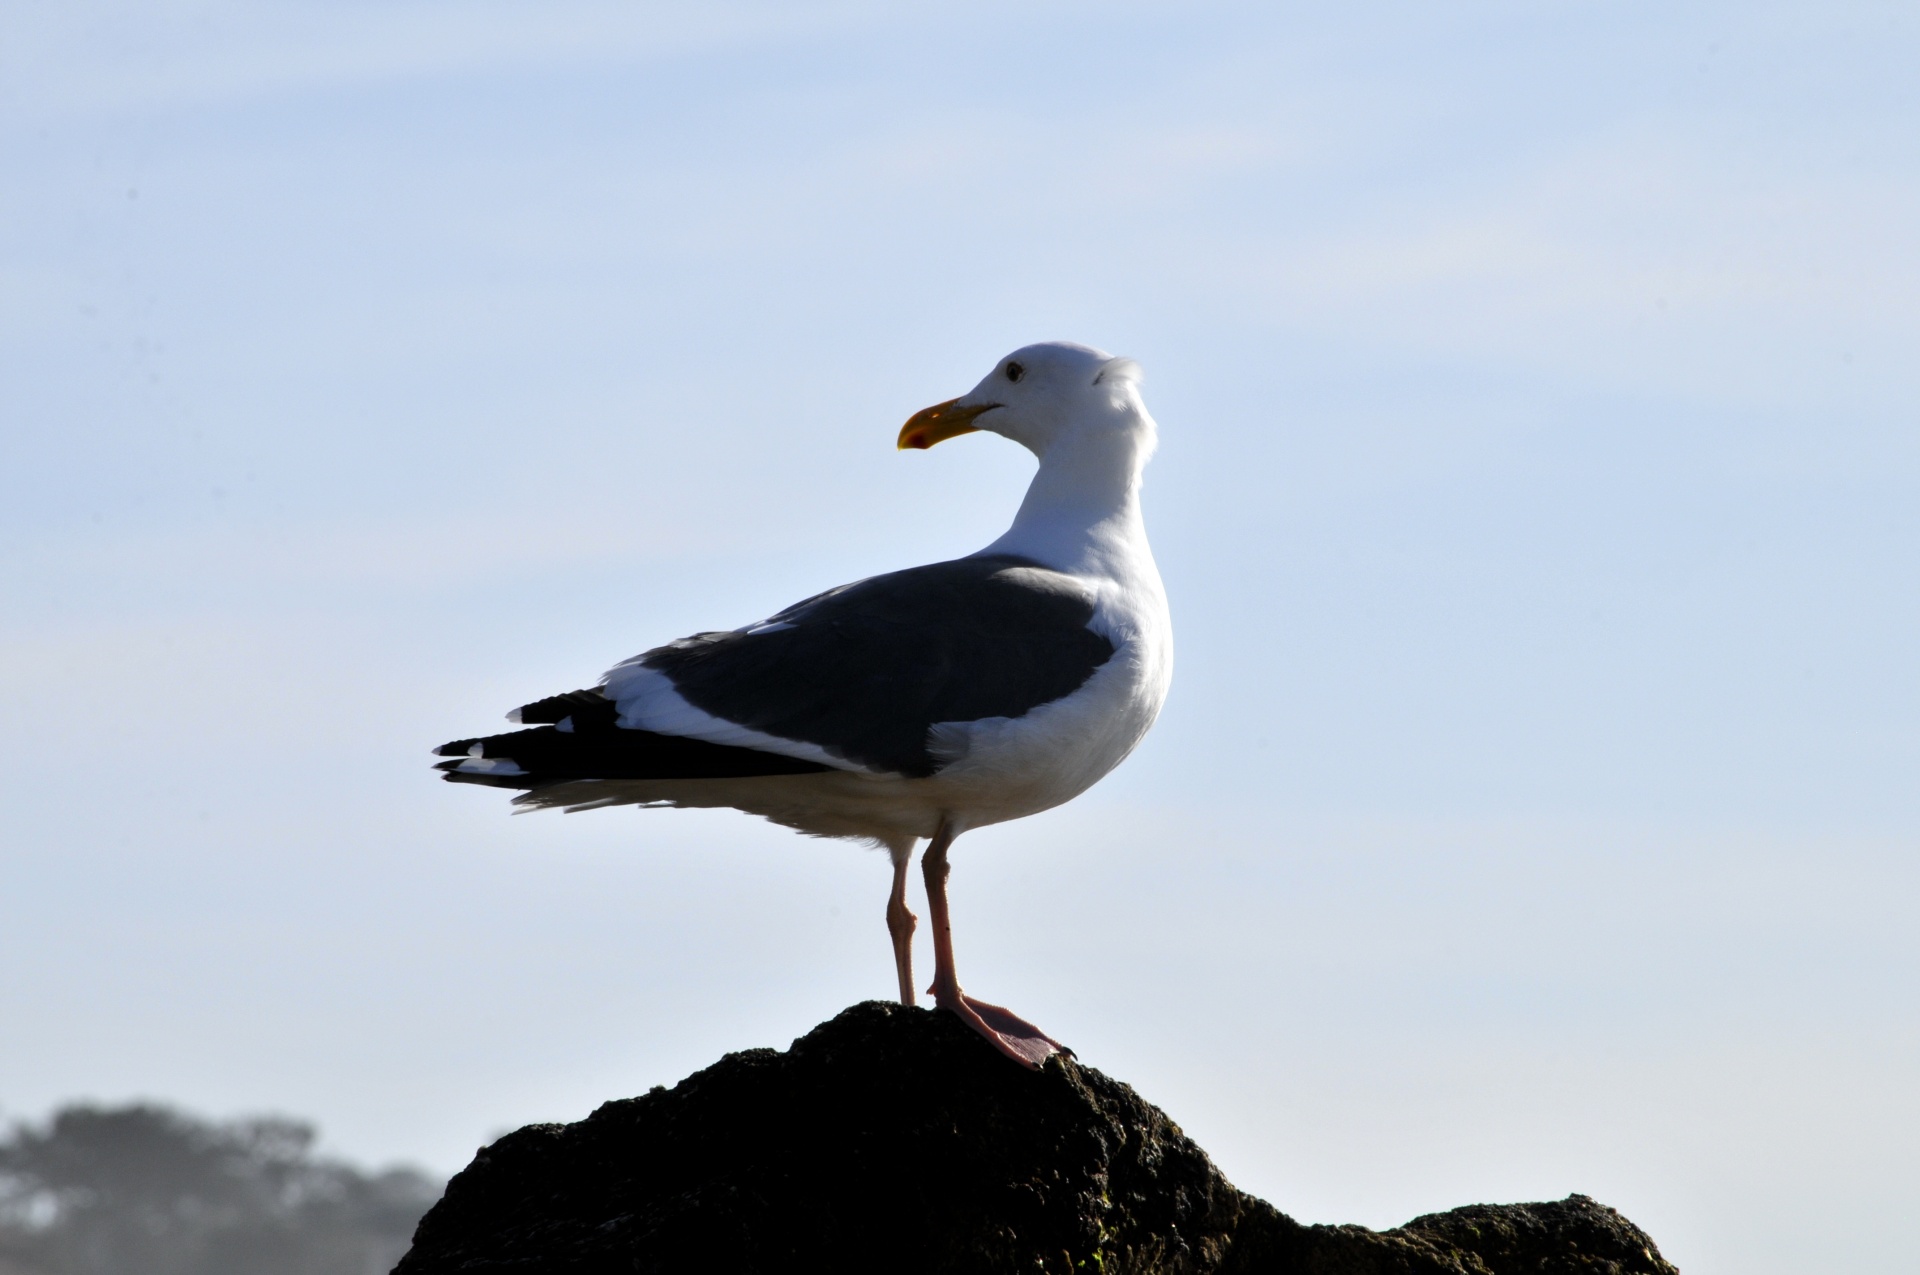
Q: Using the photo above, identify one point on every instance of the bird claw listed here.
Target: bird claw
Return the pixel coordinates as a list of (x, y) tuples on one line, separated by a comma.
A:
[(1005, 1030)]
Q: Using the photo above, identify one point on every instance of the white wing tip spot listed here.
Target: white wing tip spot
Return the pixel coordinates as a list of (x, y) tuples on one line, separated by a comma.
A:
[(491, 766)]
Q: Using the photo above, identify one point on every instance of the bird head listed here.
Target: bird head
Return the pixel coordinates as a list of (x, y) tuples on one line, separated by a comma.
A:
[(1035, 396)]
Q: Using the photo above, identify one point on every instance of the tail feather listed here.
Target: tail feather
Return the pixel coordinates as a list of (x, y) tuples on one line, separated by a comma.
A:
[(580, 738)]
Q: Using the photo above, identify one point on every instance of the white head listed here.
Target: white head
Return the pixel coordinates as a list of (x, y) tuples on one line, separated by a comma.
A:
[(1038, 396)]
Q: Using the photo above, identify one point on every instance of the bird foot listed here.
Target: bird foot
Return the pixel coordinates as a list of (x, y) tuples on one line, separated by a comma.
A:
[(1005, 1030)]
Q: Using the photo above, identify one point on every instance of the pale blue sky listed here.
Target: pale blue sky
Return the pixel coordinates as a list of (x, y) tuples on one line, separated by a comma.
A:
[(1535, 810)]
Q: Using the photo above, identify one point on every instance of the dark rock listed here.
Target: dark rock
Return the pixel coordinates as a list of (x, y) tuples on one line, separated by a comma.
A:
[(894, 1139)]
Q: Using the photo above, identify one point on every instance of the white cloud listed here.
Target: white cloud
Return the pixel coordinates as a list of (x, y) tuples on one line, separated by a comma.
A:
[(1641, 261), (88, 58)]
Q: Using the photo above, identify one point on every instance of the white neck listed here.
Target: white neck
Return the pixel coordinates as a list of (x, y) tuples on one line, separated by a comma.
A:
[(1082, 510)]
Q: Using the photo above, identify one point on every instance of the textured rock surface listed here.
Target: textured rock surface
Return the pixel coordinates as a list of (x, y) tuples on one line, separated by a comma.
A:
[(894, 1139)]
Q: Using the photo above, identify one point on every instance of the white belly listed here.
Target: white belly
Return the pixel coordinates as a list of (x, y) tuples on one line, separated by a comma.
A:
[(1002, 768)]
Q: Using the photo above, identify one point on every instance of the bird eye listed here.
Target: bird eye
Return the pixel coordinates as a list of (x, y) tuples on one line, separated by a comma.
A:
[(1015, 371)]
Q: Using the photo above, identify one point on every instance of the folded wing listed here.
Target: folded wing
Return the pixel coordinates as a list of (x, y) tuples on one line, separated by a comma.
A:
[(859, 675), (851, 679)]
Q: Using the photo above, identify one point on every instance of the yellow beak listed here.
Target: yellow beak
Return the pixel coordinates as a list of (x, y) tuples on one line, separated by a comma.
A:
[(940, 422)]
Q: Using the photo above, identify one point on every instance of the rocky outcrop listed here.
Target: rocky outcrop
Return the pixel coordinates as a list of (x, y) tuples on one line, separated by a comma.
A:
[(894, 1139)]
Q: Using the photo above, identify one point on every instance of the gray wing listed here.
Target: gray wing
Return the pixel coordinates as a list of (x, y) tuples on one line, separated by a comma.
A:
[(865, 670)]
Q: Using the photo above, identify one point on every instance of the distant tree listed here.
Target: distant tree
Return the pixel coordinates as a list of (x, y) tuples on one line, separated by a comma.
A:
[(144, 1190)]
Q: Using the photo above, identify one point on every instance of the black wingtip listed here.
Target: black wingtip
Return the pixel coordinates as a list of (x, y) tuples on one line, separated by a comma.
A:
[(488, 781), (557, 708), (543, 755)]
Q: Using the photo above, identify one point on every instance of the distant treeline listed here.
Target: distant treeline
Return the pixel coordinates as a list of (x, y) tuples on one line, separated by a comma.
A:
[(145, 1190)]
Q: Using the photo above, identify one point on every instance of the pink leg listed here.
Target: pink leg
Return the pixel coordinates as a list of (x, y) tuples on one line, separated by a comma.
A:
[(900, 921), (1012, 1035)]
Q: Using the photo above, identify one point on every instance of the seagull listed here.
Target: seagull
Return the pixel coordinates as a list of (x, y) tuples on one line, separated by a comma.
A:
[(912, 706)]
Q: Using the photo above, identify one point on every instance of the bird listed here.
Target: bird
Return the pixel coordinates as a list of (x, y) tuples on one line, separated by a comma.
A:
[(912, 706)]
